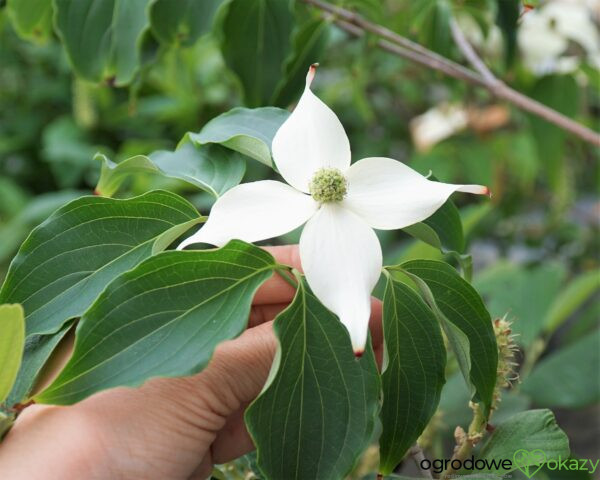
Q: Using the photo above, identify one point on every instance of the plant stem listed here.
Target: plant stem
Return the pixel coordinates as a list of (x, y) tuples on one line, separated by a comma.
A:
[(418, 456), (405, 48), (466, 442)]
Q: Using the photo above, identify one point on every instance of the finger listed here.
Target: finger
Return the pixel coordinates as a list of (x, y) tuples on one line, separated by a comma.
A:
[(276, 289), (233, 440), (260, 314)]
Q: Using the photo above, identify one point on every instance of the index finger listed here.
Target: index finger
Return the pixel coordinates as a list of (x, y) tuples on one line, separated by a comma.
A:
[(276, 289)]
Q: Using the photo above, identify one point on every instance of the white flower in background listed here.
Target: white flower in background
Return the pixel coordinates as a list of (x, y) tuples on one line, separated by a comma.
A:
[(340, 203), (546, 32)]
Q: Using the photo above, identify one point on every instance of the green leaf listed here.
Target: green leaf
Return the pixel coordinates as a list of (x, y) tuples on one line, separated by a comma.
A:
[(444, 231), (32, 19), (561, 93), (182, 21), (255, 45), (68, 260), (569, 299), (530, 430), (163, 318), (38, 349), (317, 412), (103, 39), (507, 18), (308, 43), (40, 207), (430, 19), (462, 306), (414, 374), (12, 339), (509, 289), (245, 130), (569, 377), (211, 168)]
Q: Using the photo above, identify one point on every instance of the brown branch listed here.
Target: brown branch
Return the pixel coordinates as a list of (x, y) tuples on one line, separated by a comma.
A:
[(405, 48), (469, 52)]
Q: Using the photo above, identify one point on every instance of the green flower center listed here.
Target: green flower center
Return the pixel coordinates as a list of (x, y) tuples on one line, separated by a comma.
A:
[(328, 185)]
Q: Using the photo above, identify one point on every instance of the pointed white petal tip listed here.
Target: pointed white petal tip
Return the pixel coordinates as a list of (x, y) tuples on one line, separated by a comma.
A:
[(312, 70), (476, 189)]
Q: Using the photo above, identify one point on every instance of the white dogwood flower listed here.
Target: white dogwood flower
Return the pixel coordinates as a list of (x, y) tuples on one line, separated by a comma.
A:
[(340, 203)]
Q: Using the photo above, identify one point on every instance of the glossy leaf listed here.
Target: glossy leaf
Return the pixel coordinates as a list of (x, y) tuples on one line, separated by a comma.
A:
[(442, 230), (414, 373), (32, 19), (163, 318), (38, 350), (462, 306), (12, 339), (308, 43), (567, 378), (212, 168), (255, 45), (102, 39), (182, 21), (530, 430), (244, 130), (68, 260), (317, 412)]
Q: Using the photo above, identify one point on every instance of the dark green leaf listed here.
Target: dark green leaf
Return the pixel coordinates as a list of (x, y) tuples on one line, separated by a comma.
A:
[(308, 44), (245, 130), (68, 260), (461, 305), (507, 17), (430, 19), (163, 318), (317, 413), (38, 349), (569, 377), (561, 93), (211, 168), (255, 45), (12, 339), (182, 21), (102, 38), (37, 210), (414, 374), (531, 430), (32, 19), (442, 230)]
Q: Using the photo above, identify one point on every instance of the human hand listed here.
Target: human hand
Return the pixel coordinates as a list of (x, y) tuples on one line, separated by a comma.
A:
[(169, 428)]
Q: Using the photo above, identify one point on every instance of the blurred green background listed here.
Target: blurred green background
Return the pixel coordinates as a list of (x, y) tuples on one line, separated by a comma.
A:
[(535, 244)]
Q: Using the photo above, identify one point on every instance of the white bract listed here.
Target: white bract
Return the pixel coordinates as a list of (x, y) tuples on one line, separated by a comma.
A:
[(340, 203), (546, 33)]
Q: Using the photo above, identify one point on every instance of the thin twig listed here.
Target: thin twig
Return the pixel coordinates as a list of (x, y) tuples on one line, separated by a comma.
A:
[(469, 52), (418, 456), (405, 48)]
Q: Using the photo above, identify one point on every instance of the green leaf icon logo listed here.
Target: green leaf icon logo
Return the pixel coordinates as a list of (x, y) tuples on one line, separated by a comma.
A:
[(529, 462)]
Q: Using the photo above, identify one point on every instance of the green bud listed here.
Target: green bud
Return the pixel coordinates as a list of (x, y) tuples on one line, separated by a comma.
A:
[(328, 185)]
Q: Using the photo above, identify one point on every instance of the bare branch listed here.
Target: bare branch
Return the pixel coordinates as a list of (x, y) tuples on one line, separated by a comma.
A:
[(470, 54), (405, 48)]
